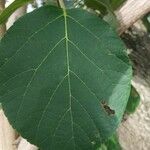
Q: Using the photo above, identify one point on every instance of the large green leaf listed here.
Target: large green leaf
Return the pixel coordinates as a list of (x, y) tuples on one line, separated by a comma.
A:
[(65, 78)]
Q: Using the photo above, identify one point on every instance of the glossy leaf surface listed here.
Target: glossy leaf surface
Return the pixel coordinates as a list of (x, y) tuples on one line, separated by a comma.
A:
[(65, 78)]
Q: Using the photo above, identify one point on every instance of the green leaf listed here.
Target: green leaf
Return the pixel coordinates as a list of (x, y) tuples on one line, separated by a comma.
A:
[(95, 5), (105, 9), (65, 78), (116, 3), (102, 5), (146, 21), (113, 143), (103, 147), (105, 3), (133, 101), (11, 8)]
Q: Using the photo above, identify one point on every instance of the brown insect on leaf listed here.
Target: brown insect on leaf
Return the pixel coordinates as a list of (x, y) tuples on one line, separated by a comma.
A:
[(108, 110)]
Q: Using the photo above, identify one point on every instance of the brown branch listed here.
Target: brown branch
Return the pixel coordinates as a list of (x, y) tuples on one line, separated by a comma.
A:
[(130, 12), (3, 26), (7, 134), (16, 15), (61, 3), (25, 145)]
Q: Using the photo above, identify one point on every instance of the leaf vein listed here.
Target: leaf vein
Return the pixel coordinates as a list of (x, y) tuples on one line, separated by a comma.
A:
[(17, 75), (103, 71), (84, 84), (28, 39), (44, 111), (87, 114), (95, 36), (82, 130), (85, 55), (32, 77)]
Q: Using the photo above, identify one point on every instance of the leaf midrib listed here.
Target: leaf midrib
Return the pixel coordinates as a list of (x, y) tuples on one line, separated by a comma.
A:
[(68, 70)]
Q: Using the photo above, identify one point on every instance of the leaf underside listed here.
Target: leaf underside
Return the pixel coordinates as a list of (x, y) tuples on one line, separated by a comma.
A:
[(65, 78)]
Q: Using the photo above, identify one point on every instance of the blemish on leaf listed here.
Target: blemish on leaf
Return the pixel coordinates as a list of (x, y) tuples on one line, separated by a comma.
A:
[(108, 110), (93, 142)]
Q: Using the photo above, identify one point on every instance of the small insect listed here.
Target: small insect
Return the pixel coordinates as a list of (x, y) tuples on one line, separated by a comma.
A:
[(107, 108)]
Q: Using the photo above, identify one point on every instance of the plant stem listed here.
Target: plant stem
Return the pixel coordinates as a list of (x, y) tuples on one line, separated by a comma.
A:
[(62, 4), (3, 26), (58, 3)]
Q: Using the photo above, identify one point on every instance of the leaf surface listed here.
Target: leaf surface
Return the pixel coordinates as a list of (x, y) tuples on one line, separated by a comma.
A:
[(65, 78)]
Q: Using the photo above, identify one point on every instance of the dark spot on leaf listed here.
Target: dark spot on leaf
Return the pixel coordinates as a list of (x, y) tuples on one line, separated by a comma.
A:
[(107, 108)]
